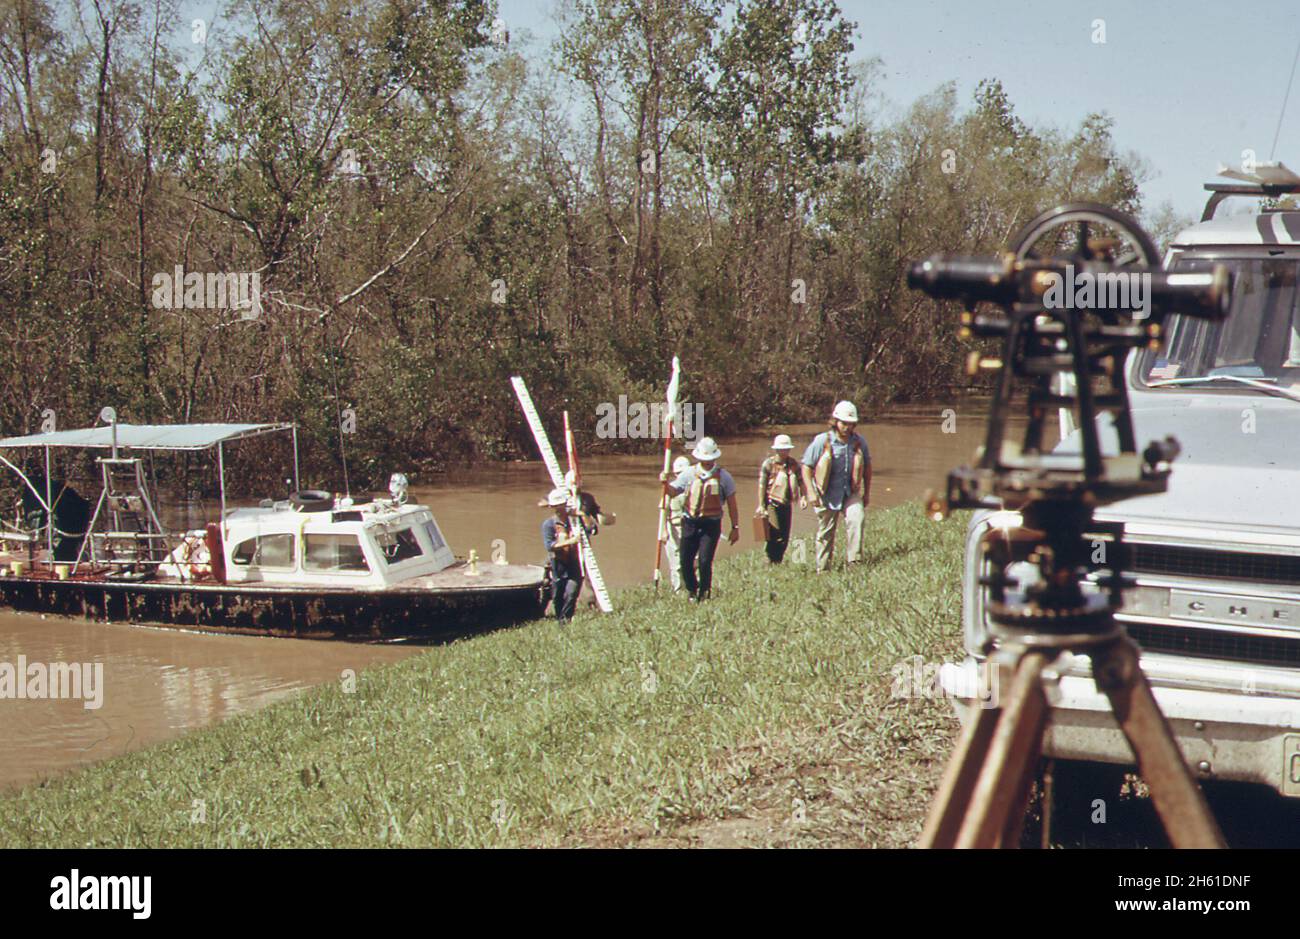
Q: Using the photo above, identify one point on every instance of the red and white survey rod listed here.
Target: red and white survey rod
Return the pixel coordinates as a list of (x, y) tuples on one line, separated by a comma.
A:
[(662, 532)]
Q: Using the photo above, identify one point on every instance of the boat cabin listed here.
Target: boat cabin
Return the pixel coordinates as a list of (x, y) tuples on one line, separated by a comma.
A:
[(368, 544)]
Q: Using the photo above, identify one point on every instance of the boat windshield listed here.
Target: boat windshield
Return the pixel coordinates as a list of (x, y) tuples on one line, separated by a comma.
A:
[(398, 546), (1258, 345)]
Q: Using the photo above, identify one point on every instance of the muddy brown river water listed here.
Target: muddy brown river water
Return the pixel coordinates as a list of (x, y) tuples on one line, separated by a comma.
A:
[(159, 683)]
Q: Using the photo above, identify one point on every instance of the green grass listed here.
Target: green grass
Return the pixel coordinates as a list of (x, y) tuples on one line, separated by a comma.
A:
[(762, 717)]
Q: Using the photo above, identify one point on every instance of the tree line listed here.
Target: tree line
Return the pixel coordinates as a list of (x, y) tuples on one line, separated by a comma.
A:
[(424, 209)]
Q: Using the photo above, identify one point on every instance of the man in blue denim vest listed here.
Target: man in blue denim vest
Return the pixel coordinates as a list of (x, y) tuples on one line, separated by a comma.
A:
[(837, 477)]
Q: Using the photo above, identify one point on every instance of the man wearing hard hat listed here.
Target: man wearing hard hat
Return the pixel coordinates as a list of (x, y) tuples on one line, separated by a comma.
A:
[(562, 537), (837, 476), (706, 486), (779, 485)]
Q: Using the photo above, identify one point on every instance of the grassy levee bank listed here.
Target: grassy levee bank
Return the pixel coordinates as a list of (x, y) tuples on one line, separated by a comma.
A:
[(763, 717)]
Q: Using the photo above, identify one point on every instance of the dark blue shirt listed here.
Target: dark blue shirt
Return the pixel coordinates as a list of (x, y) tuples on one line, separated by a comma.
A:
[(564, 564)]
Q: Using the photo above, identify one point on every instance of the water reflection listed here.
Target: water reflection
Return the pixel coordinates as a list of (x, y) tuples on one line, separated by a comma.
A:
[(158, 683)]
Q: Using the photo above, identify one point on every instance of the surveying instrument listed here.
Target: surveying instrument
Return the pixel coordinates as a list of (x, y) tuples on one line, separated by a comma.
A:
[(1060, 352)]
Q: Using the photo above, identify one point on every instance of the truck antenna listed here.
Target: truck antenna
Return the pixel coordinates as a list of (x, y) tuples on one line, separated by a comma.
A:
[(1285, 98)]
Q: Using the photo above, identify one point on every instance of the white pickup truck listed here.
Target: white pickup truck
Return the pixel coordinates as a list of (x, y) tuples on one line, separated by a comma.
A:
[(1216, 558)]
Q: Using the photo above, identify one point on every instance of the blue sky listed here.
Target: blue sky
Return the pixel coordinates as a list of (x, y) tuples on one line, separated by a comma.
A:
[(1188, 86)]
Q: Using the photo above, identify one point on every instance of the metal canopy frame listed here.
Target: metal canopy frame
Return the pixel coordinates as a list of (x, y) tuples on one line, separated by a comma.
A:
[(143, 437), (147, 436)]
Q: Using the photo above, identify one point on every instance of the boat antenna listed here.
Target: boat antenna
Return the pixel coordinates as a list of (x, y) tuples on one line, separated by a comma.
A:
[(1285, 98), (333, 357), (109, 416)]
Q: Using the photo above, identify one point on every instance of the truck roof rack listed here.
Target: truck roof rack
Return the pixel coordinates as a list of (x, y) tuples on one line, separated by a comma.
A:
[(1268, 180)]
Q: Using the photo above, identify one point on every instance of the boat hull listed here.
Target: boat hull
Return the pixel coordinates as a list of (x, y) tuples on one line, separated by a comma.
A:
[(433, 608)]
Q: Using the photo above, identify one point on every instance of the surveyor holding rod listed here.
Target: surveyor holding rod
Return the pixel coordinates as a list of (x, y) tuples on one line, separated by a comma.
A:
[(707, 486), (561, 538), (837, 477)]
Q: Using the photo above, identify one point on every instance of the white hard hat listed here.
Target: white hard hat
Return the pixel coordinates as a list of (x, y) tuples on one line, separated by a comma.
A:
[(706, 450), (845, 411), (782, 442), (557, 496), (681, 464)]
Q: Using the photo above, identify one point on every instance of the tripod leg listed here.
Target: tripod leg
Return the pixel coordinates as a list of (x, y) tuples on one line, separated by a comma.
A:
[(1002, 788), (953, 797), (1178, 799), (1049, 799), (1014, 826)]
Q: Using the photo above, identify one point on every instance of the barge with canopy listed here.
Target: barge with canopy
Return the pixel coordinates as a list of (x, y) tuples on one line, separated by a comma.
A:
[(310, 566)]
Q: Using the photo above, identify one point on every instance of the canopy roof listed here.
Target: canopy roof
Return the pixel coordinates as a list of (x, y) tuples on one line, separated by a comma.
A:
[(147, 436)]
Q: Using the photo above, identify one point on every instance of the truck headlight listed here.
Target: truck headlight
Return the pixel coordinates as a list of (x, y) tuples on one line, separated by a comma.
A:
[(974, 628)]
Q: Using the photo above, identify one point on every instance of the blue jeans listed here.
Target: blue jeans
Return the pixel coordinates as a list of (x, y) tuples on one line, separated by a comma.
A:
[(700, 538), (779, 518), (567, 586)]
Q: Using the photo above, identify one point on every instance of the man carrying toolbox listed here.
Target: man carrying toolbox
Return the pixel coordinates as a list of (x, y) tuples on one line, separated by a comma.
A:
[(779, 485)]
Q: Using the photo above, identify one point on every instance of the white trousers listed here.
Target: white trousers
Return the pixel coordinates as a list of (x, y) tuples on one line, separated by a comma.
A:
[(854, 514), (673, 548)]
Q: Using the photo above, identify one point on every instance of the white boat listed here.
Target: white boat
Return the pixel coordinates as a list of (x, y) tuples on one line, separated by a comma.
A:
[(312, 565)]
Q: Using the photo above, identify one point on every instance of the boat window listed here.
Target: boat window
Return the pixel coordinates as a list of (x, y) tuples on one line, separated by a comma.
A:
[(265, 551), (333, 553), (398, 546), (435, 537)]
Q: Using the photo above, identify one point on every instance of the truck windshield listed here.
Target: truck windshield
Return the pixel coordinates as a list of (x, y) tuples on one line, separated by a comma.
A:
[(1259, 343)]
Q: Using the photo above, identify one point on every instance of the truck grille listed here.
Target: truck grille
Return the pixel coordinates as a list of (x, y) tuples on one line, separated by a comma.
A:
[(1217, 644), (1214, 564)]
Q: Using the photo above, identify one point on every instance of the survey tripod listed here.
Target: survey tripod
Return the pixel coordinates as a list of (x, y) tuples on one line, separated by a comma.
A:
[(1058, 353)]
